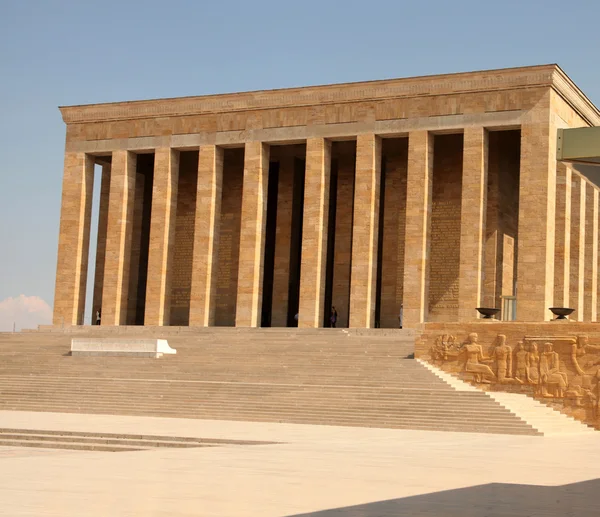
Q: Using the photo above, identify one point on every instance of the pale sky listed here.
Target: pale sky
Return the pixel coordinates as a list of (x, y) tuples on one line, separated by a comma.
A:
[(61, 52)]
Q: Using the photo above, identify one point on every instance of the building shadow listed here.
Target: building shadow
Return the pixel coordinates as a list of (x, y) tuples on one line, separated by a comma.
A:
[(491, 500)]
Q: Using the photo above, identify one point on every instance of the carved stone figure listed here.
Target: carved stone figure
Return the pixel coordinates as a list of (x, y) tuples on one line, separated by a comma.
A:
[(574, 395), (444, 348), (481, 372), (502, 353), (521, 363), (579, 348), (550, 375), (533, 364)]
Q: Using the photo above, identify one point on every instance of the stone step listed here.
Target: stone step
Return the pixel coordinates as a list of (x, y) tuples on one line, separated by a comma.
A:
[(125, 442), (149, 437), (69, 446), (359, 414), (436, 425)]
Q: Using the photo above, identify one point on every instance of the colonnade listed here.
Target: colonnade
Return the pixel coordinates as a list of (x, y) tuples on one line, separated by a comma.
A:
[(537, 287)]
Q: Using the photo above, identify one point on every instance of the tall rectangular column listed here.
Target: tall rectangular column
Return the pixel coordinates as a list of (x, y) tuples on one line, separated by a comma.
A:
[(418, 227), (118, 247), (590, 278), (74, 239), (595, 240), (537, 203), (314, 232), (162, 236), (252, 235), (562, 257), (365, 230), (206, 236), (473, 213), (577, 269)]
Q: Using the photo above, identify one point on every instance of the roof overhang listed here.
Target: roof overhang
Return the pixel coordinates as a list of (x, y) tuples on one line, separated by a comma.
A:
[(579, 145)]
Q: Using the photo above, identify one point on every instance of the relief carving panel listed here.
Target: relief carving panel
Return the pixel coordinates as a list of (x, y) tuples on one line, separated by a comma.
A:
[(563, 371)]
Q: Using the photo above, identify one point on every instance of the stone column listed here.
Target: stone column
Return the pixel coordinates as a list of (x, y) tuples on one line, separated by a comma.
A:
[(73, 239), (162, 236), (473, 214), (252, 235), (418, 227), (365, 229), (101, 241), (206, 236), (595, 239), (577, 269), (314, 233), (118, 247), (590, 278), (537, 202), (562, 275)]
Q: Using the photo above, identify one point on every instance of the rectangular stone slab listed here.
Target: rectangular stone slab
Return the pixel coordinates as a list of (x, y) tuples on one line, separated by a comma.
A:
[(117, 347)]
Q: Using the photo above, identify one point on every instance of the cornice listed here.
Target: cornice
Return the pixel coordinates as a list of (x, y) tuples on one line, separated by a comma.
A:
[(570, 92), (492, 80)]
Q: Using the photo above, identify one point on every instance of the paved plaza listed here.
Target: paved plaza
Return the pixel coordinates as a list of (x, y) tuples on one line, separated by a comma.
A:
[(311, 470)]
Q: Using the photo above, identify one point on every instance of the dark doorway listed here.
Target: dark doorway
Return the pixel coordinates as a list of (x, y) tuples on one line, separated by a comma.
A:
[(296, 242), (140, 245)]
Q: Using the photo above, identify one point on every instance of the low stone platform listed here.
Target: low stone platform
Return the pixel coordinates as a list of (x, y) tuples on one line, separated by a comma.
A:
[(120, 347)]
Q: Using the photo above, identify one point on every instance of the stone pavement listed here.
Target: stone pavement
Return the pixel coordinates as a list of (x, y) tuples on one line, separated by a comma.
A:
[(319, 471)]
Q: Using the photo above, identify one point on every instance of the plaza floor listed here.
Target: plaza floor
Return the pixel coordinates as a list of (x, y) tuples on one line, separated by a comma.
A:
[(315, 471)]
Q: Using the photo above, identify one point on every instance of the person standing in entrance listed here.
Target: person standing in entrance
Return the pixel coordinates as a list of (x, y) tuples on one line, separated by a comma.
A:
[(98, 316), (333, 318), (400, 316)]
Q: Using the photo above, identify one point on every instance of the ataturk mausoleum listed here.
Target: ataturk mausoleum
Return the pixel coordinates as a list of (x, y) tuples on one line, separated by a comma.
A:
[(441, 193)]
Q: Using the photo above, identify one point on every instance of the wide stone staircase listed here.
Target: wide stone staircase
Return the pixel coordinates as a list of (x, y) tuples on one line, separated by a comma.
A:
[(363, 378)]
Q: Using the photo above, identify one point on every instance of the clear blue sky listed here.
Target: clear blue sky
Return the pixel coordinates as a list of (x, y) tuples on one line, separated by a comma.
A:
[(61, 52)]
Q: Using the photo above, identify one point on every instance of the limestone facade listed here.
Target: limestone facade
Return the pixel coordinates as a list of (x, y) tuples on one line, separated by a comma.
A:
[(435, 194)]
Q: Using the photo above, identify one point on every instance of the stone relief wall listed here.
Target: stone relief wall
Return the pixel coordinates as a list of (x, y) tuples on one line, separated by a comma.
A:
[(559, 364)]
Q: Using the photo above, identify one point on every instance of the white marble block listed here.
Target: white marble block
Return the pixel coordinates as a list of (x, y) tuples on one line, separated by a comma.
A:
[(126, 347)]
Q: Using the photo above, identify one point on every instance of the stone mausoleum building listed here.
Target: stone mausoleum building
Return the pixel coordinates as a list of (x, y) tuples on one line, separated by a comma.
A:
[(441, 193)]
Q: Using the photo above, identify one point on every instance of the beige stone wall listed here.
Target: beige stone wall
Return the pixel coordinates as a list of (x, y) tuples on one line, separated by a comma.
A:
[(395, 162), (229, 243), (183, 251), (445, 228)]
